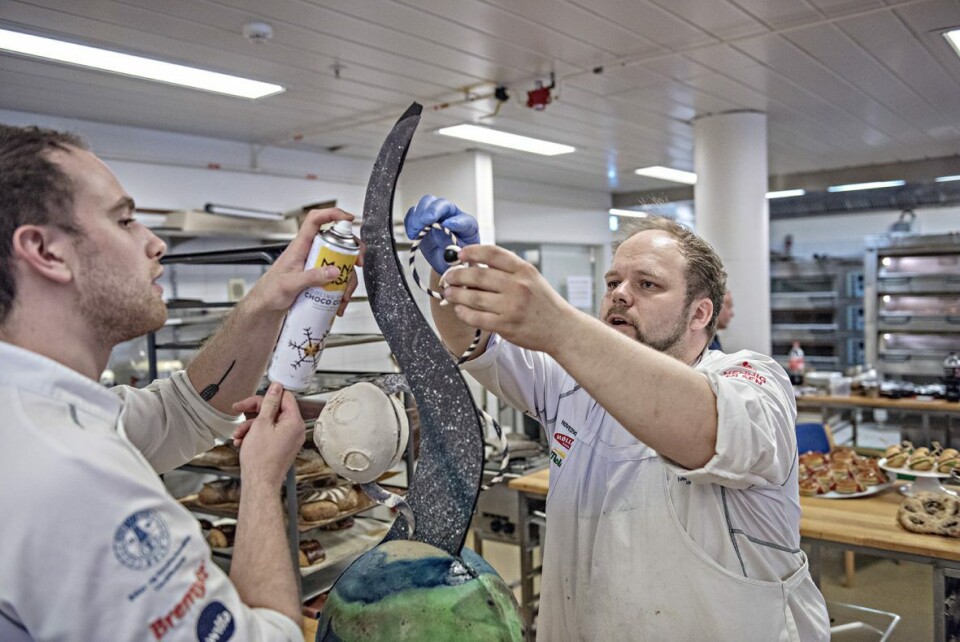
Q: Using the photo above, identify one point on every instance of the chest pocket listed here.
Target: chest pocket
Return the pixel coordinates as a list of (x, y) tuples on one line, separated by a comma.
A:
[(614, 443)]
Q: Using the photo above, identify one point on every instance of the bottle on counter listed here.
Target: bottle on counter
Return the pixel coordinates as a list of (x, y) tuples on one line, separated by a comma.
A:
[(951, 377), (796, 364)]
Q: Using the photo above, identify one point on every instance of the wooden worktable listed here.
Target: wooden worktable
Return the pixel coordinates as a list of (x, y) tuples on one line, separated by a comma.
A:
[(814, 402), (869, 521)]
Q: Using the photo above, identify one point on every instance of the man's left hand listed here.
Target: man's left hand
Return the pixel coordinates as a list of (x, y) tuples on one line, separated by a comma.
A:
[(509, 297)]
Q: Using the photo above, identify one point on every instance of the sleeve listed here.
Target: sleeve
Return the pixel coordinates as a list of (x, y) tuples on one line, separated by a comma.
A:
[(113, 557), (170, 423), (756, 417), (525, 379)]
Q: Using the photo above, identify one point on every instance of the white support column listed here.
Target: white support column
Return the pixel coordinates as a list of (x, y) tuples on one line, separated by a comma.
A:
[(464, 179), (730, 159)]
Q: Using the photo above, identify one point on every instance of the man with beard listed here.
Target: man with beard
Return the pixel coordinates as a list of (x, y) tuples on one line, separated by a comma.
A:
[(673, 511), (91, 545)]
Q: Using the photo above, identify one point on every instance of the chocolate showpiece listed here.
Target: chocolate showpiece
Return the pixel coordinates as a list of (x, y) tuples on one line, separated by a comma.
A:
[(423, 586)]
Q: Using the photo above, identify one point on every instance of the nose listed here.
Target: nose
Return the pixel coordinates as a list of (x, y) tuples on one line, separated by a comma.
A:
[(156, 246), (620, 294)]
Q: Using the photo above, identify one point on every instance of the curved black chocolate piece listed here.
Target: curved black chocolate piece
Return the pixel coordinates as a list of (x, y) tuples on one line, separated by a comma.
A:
[(444, 489)]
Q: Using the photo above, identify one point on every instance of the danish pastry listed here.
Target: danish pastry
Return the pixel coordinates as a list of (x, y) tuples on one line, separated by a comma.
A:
[(931, 513)]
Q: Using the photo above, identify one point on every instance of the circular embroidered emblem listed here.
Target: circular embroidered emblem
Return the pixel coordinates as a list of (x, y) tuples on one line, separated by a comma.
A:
[(215, 624), (142, 540)]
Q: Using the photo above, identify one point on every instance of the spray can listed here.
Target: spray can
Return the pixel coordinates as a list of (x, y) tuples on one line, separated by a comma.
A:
[(308, 323)]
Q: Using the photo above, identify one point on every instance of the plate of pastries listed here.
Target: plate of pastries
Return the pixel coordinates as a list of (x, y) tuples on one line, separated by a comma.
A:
[(921, 461), (841, 474)]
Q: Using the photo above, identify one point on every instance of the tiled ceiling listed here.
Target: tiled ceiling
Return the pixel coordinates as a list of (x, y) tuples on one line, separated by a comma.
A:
[(844, 82)]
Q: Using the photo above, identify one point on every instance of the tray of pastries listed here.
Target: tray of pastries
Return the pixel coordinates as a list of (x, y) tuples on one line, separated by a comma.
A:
[(841, 474), (921, 461)]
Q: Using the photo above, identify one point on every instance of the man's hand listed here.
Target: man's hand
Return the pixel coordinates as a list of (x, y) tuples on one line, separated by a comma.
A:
[(509, 297), (286, 278), (432, 210), (270, 438)]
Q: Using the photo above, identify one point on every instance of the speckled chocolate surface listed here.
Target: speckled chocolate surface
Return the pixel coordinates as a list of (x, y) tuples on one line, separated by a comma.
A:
[(444, 489)]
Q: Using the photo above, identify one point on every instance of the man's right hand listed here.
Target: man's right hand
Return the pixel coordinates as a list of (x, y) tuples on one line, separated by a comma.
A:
[(269, 442), (432, 210)]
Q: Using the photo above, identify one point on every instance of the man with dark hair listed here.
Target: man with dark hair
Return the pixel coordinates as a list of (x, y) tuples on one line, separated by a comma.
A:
[(723, 319), (673, 511), (91, 545)]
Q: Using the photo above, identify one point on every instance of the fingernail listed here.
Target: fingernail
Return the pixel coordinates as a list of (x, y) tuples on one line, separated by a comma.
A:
[(275, 388), (331, 272)]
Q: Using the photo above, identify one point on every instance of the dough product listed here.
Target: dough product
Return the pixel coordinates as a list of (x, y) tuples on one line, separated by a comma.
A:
[(222, 491), (311, 552), (223, 456), (222, 536), (309, 462), (327, 503), (931, 513)]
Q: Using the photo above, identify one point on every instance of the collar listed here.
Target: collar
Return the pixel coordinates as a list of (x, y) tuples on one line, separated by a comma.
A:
[(29, 371)]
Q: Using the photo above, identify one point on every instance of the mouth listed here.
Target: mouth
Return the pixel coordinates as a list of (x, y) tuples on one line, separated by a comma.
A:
[(616, 320)]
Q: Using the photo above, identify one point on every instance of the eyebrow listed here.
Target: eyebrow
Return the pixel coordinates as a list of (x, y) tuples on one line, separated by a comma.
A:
[(637, 272), (125, 204)]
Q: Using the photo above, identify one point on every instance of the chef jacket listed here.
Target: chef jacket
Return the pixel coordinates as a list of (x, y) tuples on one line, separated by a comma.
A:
[(638, 547), (92, 547)]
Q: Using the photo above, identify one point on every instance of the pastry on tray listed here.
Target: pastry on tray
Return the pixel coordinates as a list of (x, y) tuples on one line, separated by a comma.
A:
[(224, 456), (222, 535), (327, 503), (221, 491), (841, 470), (311, 552), (931, 513)]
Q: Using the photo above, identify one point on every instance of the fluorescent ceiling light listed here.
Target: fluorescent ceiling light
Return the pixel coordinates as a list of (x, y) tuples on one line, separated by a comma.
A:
[(136, 66), (786, 193), (668, 174), (504, 139), (853, 187), (242, 212), (944, 179), (635, 213), (953, 37)]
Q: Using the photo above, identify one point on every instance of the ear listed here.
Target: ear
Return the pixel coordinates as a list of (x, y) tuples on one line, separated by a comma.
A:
[(46, 250), (702, 313)]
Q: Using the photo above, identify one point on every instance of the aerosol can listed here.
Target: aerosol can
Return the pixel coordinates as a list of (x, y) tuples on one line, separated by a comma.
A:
[(308, 323)]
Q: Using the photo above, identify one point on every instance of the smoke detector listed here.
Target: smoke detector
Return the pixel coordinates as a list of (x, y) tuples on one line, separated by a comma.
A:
[(257, 31)]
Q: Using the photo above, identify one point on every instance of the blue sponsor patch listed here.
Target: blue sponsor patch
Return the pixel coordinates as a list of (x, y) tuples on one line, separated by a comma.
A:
[(215, 624), (142, 540)]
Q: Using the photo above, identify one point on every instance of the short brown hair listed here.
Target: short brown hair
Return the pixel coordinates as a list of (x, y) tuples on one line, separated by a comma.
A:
[(33, 191), (704, 274)]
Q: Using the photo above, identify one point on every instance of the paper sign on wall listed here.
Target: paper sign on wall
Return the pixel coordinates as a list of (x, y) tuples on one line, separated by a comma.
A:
[(580, 291)]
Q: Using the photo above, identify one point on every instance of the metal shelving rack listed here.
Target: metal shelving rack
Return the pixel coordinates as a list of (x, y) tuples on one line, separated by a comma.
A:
[(316, 583), (911, 304), (818, 302)]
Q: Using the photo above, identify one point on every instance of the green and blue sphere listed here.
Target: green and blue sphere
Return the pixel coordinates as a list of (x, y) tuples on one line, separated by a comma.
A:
[(404, 590)]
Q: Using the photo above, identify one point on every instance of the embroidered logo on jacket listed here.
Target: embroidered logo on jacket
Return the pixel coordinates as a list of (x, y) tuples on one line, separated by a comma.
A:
[(216, 624), (564, 440), (557, 456), (162, 625), (142, 540), (747, 372), (570, 429)]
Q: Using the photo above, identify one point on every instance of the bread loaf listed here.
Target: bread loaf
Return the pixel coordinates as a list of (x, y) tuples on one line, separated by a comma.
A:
[(327, 503), (223, 456), (222, 491)]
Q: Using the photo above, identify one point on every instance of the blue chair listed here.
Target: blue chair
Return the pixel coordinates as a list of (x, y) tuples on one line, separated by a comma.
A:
[(814, 437)]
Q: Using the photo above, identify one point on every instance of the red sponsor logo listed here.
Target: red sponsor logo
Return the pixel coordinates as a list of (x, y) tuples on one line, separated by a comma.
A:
[(565, 440), (162, 625), (750, 375)]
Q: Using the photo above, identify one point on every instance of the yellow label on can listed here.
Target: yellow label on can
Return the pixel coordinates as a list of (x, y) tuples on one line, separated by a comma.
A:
[(344, 262)]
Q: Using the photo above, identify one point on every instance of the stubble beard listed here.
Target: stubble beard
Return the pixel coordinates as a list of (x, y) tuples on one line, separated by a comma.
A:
[(117, 306), (668, 345)]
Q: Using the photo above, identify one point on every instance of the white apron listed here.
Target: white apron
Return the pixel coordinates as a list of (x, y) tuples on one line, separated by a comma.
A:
[(629, 571)]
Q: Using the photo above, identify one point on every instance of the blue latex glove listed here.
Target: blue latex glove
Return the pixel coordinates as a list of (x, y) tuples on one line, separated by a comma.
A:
[(431, 210)]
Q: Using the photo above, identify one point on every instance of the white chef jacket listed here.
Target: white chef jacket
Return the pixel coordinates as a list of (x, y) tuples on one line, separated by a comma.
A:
[(92, 547), (638, 547)]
